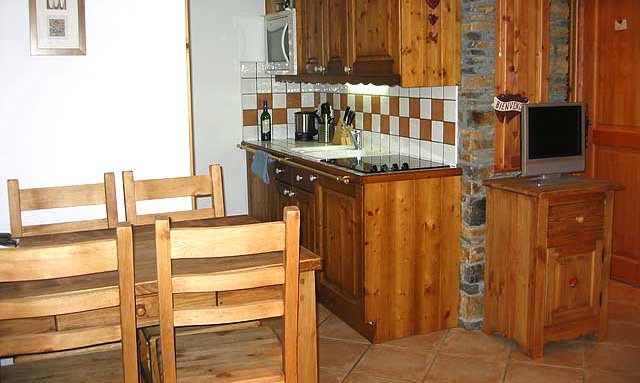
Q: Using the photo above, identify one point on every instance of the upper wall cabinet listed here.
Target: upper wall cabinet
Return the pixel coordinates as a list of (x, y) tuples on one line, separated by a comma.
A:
[(392, 42)]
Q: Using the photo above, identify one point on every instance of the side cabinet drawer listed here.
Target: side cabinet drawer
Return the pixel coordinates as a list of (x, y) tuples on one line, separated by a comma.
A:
[(282, 172), (576, 218), (303, 179)]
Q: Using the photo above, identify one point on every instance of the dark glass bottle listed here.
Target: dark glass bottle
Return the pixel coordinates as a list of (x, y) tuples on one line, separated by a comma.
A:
[(265, 123)]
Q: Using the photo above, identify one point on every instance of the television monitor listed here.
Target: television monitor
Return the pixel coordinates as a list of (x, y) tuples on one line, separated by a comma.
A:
[(553, 138)]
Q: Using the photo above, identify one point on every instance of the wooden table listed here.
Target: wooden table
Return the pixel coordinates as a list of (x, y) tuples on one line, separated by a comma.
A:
[(146, 287)]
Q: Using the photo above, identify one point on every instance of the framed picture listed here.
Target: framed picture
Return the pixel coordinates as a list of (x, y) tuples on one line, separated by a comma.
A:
[(57, 27)]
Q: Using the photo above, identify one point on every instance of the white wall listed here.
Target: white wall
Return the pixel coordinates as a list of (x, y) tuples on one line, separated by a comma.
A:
[(223, 33), (66, 120)]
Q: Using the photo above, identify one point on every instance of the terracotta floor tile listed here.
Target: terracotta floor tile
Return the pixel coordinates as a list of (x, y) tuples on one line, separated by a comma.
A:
[(424, 342), (535, 373), (463, 369), (621, 292), (339, 355), (395, 363), (610, 377), (322, 313), (335, 328), (625, 312), (612, 358), (326, 375), (476, 344), (623, 333), (361, 378), (565, 354)]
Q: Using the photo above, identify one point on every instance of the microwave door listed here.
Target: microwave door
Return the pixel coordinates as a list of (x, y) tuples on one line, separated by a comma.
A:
[(277, 45)]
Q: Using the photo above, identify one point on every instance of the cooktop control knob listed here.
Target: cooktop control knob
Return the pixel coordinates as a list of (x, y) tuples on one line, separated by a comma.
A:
[(374, 169), (384, 168), (405, 166), (395, 167)]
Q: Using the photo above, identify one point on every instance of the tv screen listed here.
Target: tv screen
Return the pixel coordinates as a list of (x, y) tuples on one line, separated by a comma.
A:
[(555, 131)]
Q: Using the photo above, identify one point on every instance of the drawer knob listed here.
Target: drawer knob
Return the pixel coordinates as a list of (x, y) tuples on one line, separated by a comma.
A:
[(141, 310), (573, 282), (298, 177), (312, 178), (580, 219), (278, 171)]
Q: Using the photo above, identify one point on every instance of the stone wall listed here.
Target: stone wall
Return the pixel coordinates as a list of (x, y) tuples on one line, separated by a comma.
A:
[(559, 36)]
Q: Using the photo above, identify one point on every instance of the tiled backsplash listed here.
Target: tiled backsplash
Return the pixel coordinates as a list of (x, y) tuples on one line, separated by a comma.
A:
[(420, 122)]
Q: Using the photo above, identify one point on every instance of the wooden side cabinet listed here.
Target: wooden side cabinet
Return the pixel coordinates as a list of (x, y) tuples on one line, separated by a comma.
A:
[(548, 257)]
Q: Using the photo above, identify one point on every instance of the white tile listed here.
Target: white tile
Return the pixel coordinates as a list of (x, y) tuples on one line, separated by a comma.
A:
[(437, 152), (248, 70), (264, 85), (279, 100), (279, 132), (293, 87), (384, 142), (437, 131), (425, 108), (359, 120), (404, 107), (351, 101), (250, 133), (425, 150), (437, 92), (323, 97), (394, 144), (336, 101), (366, 106), (425, 92), (384, 105), (291, 131), (366, 139), (248, 85), (375, 141), (320, 87), (305, 87), (291, 115), (278, 87), (450, 112), (394, 125), (334, 88), (450, 92), (249, 101), (414, 148), (414, 92), (404, 146), (262, 70), (414, 128), (375, 122), (307, 100), (450, 157), (404, 92), (394, 91)]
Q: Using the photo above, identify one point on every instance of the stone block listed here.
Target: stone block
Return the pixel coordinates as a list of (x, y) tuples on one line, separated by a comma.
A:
[(471, 308), (472, 273)]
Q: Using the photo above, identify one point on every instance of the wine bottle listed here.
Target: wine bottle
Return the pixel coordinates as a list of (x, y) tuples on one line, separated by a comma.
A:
[(265, 123)]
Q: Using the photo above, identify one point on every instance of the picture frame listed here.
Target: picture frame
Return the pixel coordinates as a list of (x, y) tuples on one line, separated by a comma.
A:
[(57, 27)]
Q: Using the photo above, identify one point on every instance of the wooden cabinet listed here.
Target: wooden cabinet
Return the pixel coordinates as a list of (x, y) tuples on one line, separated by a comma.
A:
[(548, 257), (336, 53), (310, 18)]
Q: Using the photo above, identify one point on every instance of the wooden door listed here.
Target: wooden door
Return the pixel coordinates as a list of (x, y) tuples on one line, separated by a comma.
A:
[(310, 35), (306, 203), (573, 282), (375, 37), (609, 81), (336, 36)]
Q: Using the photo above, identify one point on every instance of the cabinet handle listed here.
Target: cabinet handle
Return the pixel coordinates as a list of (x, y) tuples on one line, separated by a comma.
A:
[(319, 69), (291, 194), (580, 219), (312, 178), (141, 310), (278, 171), (286, 192), (298, 177), (347, 69), (573, 282)]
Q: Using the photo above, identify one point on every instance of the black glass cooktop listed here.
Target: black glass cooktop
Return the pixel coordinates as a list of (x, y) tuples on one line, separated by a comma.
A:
[(383, 164)]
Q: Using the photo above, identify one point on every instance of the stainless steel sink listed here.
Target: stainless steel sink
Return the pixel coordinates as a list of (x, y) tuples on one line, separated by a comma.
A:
[(344, 153)]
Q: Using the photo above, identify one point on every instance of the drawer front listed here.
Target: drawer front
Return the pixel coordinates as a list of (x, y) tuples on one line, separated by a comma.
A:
[(303, 179), (147, 310), (576, 218), (282, 172)]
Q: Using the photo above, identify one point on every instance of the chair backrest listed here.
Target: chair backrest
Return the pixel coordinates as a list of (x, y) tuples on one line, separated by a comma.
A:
[(229, 241), (59, 197), (194, 186), (28, 294)]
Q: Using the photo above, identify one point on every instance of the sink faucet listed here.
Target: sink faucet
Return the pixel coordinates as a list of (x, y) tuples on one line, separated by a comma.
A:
[(355, 137)]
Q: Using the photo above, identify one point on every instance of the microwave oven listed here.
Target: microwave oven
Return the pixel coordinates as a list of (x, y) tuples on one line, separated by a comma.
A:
[(280, 42)]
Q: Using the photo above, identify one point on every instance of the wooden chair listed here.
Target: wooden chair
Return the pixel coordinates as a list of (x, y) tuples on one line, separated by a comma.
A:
[(194, 186), (244, 355), (31, 290), (58, 197)]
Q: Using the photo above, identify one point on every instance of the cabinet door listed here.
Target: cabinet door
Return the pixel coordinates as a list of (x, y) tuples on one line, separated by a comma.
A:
[(573, 282), (336, 37), (261, 197), (310, 39), (306, 203), (375, 37), (283, 198)]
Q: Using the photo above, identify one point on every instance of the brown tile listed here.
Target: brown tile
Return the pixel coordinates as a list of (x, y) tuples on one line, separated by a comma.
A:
[(375, 104), (610, 377), (322, 313), (249, 117), (476, 344), (361, 378), (414, 107), (394, 106), (450, 133), (339, 355), (308, 109), (359, 103), (464, 369), (384, 124), (293, 100), (425, 130), (533, 373), (624, 312), (621, 292), (367, 121), (343, 101), (612, 358), (330, 376), (330, 98), (335, 328), (395, 363), (437, 110), (624, 333), (279, 116), (425, 342), (265, 96), (404, 126), (316, 98), (565, 354)]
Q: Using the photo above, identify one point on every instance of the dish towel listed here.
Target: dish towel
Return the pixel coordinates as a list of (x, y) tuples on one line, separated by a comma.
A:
[(260, 165)]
